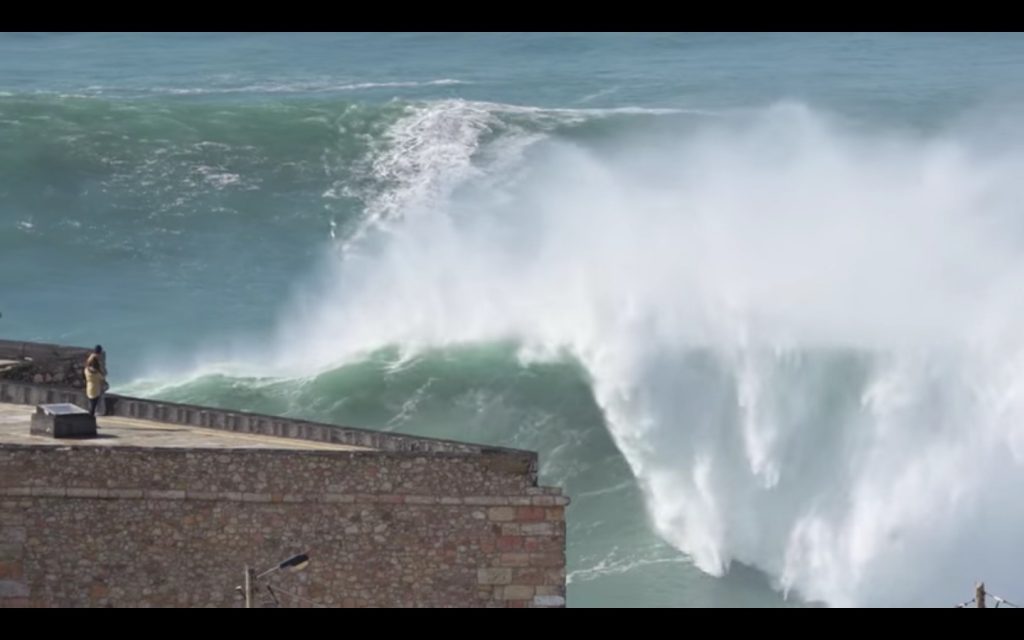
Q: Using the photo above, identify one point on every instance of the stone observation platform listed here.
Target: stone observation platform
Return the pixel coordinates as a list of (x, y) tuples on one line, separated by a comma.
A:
[(16, 420), (166, 504)]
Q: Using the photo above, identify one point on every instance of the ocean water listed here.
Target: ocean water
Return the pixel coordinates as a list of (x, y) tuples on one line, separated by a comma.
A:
[(754, 298)]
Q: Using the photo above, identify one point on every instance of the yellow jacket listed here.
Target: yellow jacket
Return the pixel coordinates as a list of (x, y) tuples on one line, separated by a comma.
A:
[(94, 380)]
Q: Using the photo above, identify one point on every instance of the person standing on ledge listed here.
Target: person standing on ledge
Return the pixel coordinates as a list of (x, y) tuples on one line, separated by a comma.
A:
[(95, 378)]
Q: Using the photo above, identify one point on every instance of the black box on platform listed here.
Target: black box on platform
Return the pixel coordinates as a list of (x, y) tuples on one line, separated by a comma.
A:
[(62, 421)]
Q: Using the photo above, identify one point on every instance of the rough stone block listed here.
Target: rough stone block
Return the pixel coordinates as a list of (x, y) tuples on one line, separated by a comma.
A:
[(62, 421)]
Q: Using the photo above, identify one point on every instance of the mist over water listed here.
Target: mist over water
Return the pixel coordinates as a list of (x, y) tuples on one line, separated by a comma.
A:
[(766, 339)]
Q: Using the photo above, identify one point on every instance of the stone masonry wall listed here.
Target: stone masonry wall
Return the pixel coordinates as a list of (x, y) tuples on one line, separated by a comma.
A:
[(43, 363), (124, 526)]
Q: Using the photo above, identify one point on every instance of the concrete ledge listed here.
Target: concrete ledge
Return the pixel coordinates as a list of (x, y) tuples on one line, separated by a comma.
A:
[(242, 422)]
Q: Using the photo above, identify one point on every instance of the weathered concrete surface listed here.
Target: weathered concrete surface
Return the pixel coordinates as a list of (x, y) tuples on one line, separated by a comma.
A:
[(119, 432)]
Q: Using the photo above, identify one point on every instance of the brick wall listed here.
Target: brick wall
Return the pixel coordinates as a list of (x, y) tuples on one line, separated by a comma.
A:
[(125, 526)]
